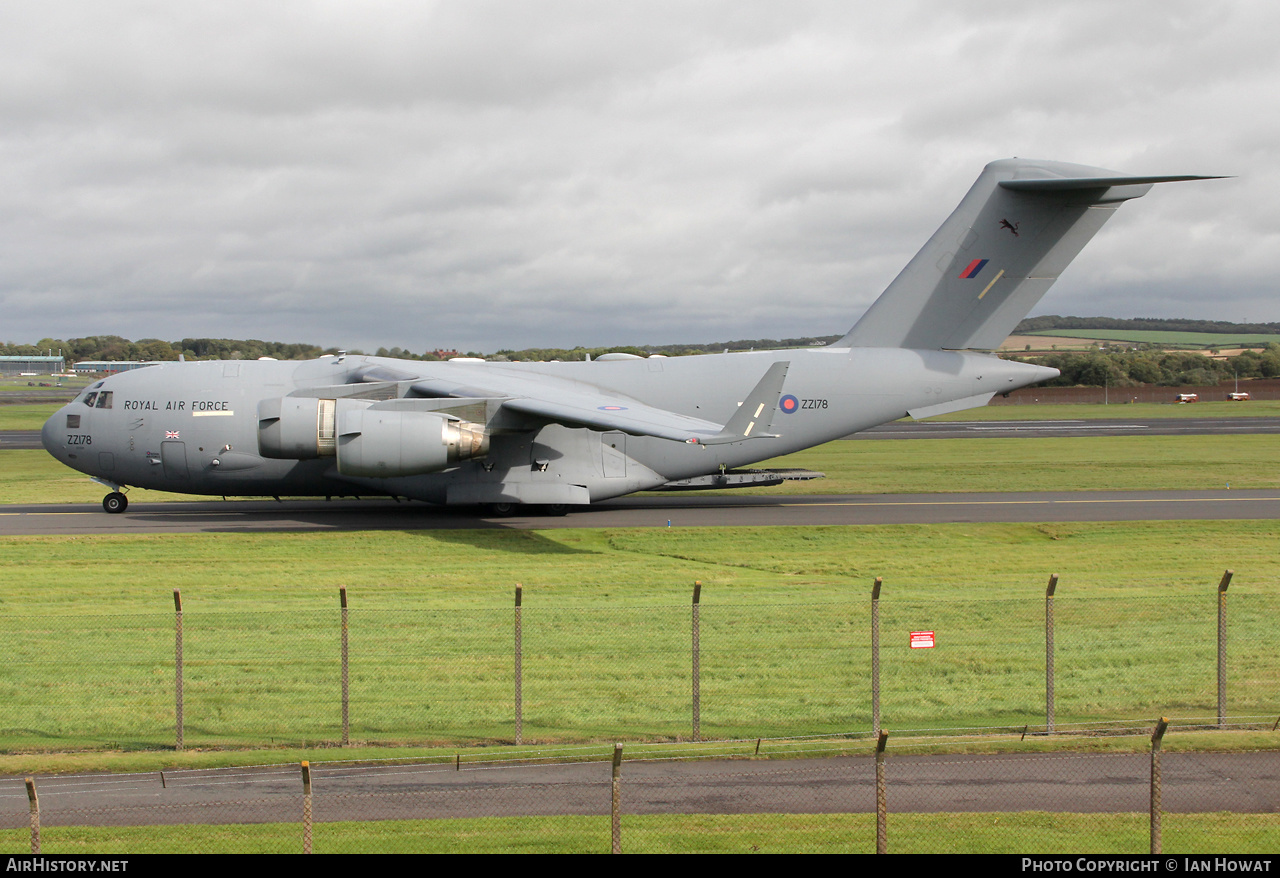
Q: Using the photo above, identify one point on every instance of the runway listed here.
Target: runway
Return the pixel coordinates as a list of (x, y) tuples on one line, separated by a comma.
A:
[(1071, 428), (683, 510), (702, 510)]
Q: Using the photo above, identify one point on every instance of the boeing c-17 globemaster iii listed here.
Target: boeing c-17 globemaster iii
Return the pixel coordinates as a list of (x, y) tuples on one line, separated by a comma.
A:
[(553, 437)]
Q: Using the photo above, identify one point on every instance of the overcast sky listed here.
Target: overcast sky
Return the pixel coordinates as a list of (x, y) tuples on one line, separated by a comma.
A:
[(511, 174)]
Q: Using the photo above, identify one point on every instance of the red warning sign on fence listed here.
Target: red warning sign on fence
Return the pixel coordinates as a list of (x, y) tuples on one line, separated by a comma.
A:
[(922, 640)]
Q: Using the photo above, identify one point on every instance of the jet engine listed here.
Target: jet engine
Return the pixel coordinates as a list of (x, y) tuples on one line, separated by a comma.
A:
[(367, 441)]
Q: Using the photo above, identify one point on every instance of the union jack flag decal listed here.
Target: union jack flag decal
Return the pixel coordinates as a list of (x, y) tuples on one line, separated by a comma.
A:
[(171, 434)]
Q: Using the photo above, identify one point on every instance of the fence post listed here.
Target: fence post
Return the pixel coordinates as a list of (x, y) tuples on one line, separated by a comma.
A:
[(617, 799), (882, 805), (1156, 737), (519, 648), (697, 664), (875, 656), (1222, 648), (1048, 654), (306, 807), (346, 679), (177, 666), (34, 804)]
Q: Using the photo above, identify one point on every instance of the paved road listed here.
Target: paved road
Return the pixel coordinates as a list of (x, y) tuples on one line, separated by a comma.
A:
[(15, 439), (1041, 429), (1074, 782), (681, 510)]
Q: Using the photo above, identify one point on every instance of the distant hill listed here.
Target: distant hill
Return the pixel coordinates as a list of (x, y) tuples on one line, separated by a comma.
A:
[(1161, 324), (1163, 338)]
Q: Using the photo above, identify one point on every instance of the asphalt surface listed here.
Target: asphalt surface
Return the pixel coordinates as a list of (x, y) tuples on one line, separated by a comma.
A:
[(19, 439), (1042, 429), (1072, 782), (701, 510), (682, 510)]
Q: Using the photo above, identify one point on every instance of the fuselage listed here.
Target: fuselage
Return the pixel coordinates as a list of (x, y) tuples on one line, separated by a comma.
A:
[(198, 427)]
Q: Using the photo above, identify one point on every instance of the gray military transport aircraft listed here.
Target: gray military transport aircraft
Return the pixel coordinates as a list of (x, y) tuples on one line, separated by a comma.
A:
[(552, 437)]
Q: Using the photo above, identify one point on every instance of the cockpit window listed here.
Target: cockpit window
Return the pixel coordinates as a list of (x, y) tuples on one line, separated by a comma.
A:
[(88, 400), (104, 399)]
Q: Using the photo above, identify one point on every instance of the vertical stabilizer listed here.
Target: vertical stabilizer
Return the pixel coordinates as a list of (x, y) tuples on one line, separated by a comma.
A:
[(996, 255)]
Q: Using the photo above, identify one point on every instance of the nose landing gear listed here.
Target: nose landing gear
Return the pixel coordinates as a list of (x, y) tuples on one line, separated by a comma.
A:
[(115, 502)]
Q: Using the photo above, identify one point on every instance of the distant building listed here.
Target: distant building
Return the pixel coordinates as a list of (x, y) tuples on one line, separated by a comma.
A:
[(31, 365), (110, 366)]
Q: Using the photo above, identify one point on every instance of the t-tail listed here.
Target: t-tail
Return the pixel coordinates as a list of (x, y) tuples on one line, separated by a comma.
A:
[(1015, 231)]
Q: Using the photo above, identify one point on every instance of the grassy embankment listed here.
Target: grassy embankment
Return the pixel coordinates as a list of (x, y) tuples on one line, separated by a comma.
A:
[(998, 833), (1195, 340)]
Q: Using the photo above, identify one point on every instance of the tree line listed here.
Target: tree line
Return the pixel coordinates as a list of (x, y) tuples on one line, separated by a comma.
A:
[(1117, 368), (114, 348), (1131, 368)]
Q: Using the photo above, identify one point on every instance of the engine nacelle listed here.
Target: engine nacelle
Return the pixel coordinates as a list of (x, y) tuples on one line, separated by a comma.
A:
[(384, 443), (297, 428), (369, 442)]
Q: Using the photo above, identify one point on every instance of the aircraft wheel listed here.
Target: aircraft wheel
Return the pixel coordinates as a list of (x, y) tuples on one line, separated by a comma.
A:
[(115, 502), (503, 510), (555, 509)]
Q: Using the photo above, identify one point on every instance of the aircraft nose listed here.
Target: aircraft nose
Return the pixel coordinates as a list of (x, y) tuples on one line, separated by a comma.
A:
[(51, 432)]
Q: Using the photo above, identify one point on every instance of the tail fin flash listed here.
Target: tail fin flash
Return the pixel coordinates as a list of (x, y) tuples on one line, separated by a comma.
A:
[(1015, 231)]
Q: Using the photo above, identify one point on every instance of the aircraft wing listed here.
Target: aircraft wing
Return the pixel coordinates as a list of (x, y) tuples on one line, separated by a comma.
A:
[(580, 404), (612, 412)]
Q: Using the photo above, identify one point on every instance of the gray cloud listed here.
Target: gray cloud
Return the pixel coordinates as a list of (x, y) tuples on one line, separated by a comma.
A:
[(488, 175)]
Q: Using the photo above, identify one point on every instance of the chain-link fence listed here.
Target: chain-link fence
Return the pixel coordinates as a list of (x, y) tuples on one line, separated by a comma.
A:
[(794, 795), (542, 673)]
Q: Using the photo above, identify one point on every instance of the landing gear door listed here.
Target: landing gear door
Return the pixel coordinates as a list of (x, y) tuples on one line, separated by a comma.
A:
[(613, 453)]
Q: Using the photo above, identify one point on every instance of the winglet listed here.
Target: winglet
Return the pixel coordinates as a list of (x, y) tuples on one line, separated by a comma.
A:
[(756, 412)]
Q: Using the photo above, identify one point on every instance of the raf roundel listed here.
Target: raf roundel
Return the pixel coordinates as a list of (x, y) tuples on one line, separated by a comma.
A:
[(788, 404)]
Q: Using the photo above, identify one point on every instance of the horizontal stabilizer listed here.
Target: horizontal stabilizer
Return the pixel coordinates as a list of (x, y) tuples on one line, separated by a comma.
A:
[(946, 408), (1066, 184)]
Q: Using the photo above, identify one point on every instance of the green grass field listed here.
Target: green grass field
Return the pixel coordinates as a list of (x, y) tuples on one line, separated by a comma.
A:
[(1027, 832), (260, 611), (89, 631), (1190, 339)]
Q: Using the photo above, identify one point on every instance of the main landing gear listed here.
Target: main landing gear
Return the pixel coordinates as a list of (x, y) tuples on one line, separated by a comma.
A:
[(115, 502), (506, 510)]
